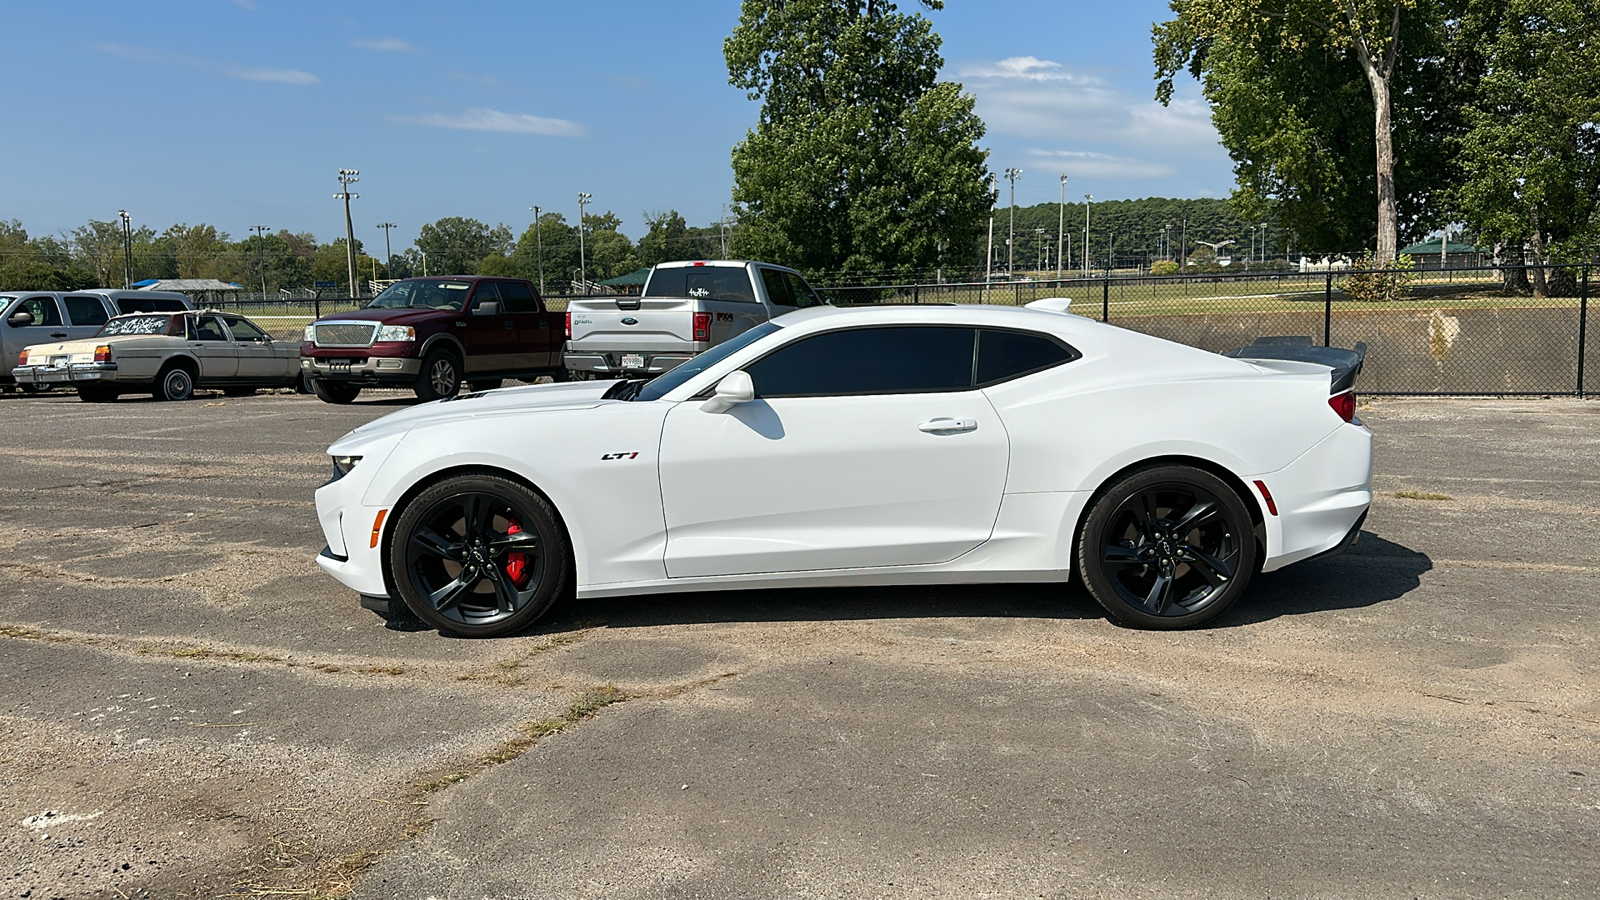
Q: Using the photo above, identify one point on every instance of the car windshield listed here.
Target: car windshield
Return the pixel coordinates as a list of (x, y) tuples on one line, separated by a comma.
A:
[(423, 293), (666, 381), (135, 325)]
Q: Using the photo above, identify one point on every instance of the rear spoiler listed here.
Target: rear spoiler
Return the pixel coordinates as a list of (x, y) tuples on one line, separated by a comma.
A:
[(1346, 364)]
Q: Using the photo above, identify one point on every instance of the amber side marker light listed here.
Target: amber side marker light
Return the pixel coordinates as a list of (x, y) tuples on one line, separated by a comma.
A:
[(377, 526)]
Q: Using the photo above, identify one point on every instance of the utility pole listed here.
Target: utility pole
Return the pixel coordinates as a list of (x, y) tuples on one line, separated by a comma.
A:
[(261, 245), (1061, 226), (1111, 257), (127, 248), (1087, 199), (538, 240), (583, 269), (1041, 260), (1011, 232), (388, 252), (348, 177)]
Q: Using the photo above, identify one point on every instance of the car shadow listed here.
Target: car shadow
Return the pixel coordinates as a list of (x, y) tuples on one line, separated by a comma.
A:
[(1372, 572)]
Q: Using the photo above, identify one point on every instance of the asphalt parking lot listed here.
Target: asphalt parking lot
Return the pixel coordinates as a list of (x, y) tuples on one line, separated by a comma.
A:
[(193, 710)]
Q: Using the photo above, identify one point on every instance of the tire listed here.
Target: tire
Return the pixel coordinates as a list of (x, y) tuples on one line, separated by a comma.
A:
[(175, 383), (302, 384), (340, 392), (1167, 547), (238, 392), (560, 376), (96, 393), (35, 388), (440, 375), (478, 556), (486, 384)]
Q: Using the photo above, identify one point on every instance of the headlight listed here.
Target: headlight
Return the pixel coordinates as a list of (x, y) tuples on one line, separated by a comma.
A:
[(343, 464), (311, 334), (396, 333)]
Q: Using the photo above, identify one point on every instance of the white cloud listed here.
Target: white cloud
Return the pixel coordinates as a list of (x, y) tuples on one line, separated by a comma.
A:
[(1026, 68), (483, 119), (385, 44), (156, 57)]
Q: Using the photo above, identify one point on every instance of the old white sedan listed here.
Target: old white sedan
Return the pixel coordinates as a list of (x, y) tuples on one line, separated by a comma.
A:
[(167, 354), (858, 447)]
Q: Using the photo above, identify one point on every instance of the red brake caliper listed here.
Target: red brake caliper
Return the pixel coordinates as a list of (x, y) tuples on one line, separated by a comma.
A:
[(516, 562)]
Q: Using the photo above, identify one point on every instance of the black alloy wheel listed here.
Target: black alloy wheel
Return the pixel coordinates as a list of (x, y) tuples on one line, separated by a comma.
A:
[(335, 391), (440, 376), (174, 383), (1167, 547), (479, 556)]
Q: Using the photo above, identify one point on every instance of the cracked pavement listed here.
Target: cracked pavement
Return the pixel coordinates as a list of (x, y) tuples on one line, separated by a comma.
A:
[(193, 710)]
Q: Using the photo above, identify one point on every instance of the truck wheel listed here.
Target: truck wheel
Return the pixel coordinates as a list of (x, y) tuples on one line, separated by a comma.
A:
[(440, 376), (175, 382), (334, 391), (560, 376), (302, 385)]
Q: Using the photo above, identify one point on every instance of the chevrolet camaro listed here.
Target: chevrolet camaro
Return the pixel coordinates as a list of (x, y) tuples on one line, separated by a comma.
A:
[(872, 446)]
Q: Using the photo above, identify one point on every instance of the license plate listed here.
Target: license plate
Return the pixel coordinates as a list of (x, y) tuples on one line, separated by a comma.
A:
[(59, 361), (632, 361)]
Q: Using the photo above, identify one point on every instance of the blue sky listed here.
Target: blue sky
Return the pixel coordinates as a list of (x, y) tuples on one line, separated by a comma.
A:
[(240, 112)]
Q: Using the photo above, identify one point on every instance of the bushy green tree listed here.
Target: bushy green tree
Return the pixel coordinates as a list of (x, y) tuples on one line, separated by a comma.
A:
[(670, 238), (456, 245), (862, 160)]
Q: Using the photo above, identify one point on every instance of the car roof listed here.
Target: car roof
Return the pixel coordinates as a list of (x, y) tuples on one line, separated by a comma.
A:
[(716, 263)]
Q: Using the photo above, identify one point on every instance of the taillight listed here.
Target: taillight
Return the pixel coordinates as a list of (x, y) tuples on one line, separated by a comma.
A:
[(1344, 404), (102, 353), (569, 326), (22, 358), (702, 326)]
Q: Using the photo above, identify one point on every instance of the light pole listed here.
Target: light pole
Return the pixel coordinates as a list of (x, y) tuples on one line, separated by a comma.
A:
[(583, 270), (127, 247), (1061, 226), (1011, 231), (261, 245), (388, 253), (1166, 241), (1087, 199), (988, 254), (348, 177), (1263, 244), (538, 240), (1040, 262), (1111, 256), (424, 255)]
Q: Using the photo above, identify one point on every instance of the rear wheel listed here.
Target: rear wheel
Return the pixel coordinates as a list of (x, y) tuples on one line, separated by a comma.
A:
[(35, 388), (440, 376), (334, 391), (96, 393), (479, 556), (1167, 547), (176, 382)]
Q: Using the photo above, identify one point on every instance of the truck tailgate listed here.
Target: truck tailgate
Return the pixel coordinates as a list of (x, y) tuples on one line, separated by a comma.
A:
[(628, 323)]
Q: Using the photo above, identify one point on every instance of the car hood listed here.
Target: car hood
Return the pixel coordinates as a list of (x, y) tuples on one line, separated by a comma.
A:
[(528, 398), (391, 316)]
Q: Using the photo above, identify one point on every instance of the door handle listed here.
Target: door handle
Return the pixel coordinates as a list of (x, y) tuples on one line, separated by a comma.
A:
[(58, 334), (945, 425)]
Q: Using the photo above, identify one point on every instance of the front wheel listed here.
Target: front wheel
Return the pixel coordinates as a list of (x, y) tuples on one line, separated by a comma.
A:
[(440, 376), (479, 556), (1167, 547), (335, 391)]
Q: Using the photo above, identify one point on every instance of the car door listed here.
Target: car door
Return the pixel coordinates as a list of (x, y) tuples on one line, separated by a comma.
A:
[(258, 359), (213, 347), (538, 344), (85, 314), (490, 340), (864, 447), (47, 325)]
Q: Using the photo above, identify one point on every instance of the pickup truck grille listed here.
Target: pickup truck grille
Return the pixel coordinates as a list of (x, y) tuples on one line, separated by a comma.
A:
[(344, 334)]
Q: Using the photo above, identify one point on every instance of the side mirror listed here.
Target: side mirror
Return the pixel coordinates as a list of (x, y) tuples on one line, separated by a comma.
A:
[(487, 308), (732, 390), (20, 318)]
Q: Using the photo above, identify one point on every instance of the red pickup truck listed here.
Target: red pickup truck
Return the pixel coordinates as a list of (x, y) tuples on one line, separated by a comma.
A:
[(432, 334)]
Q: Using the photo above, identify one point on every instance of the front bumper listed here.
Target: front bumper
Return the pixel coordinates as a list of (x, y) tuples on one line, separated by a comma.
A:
[(74, 372), (367, 370), (610, 364)]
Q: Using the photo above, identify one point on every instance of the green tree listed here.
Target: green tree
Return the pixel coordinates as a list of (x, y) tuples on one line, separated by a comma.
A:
[(329, 264), (456, 245), (862, 160), (1530, 159), (198, 249), (1325, 106), (670, 238), (608, 253)]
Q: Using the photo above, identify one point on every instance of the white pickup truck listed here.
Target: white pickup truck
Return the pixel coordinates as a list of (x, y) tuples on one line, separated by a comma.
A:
[(686, 308)]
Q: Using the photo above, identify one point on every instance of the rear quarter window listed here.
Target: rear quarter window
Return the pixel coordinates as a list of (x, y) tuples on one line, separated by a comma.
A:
[(1004, 355)]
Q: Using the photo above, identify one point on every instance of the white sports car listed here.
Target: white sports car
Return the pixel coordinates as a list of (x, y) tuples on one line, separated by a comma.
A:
[(886, 445)]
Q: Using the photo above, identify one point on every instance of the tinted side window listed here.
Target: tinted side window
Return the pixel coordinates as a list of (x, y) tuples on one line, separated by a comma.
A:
[(804, 296), (1007, 354), (777, 287), (86, 310), (517, 297), (890, 360), (486, 293), (44, 310)]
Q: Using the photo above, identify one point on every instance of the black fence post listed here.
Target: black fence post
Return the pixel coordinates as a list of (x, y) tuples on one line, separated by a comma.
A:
[(1105, 299), (1583, 323), (1327, 312), (916, 293)]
